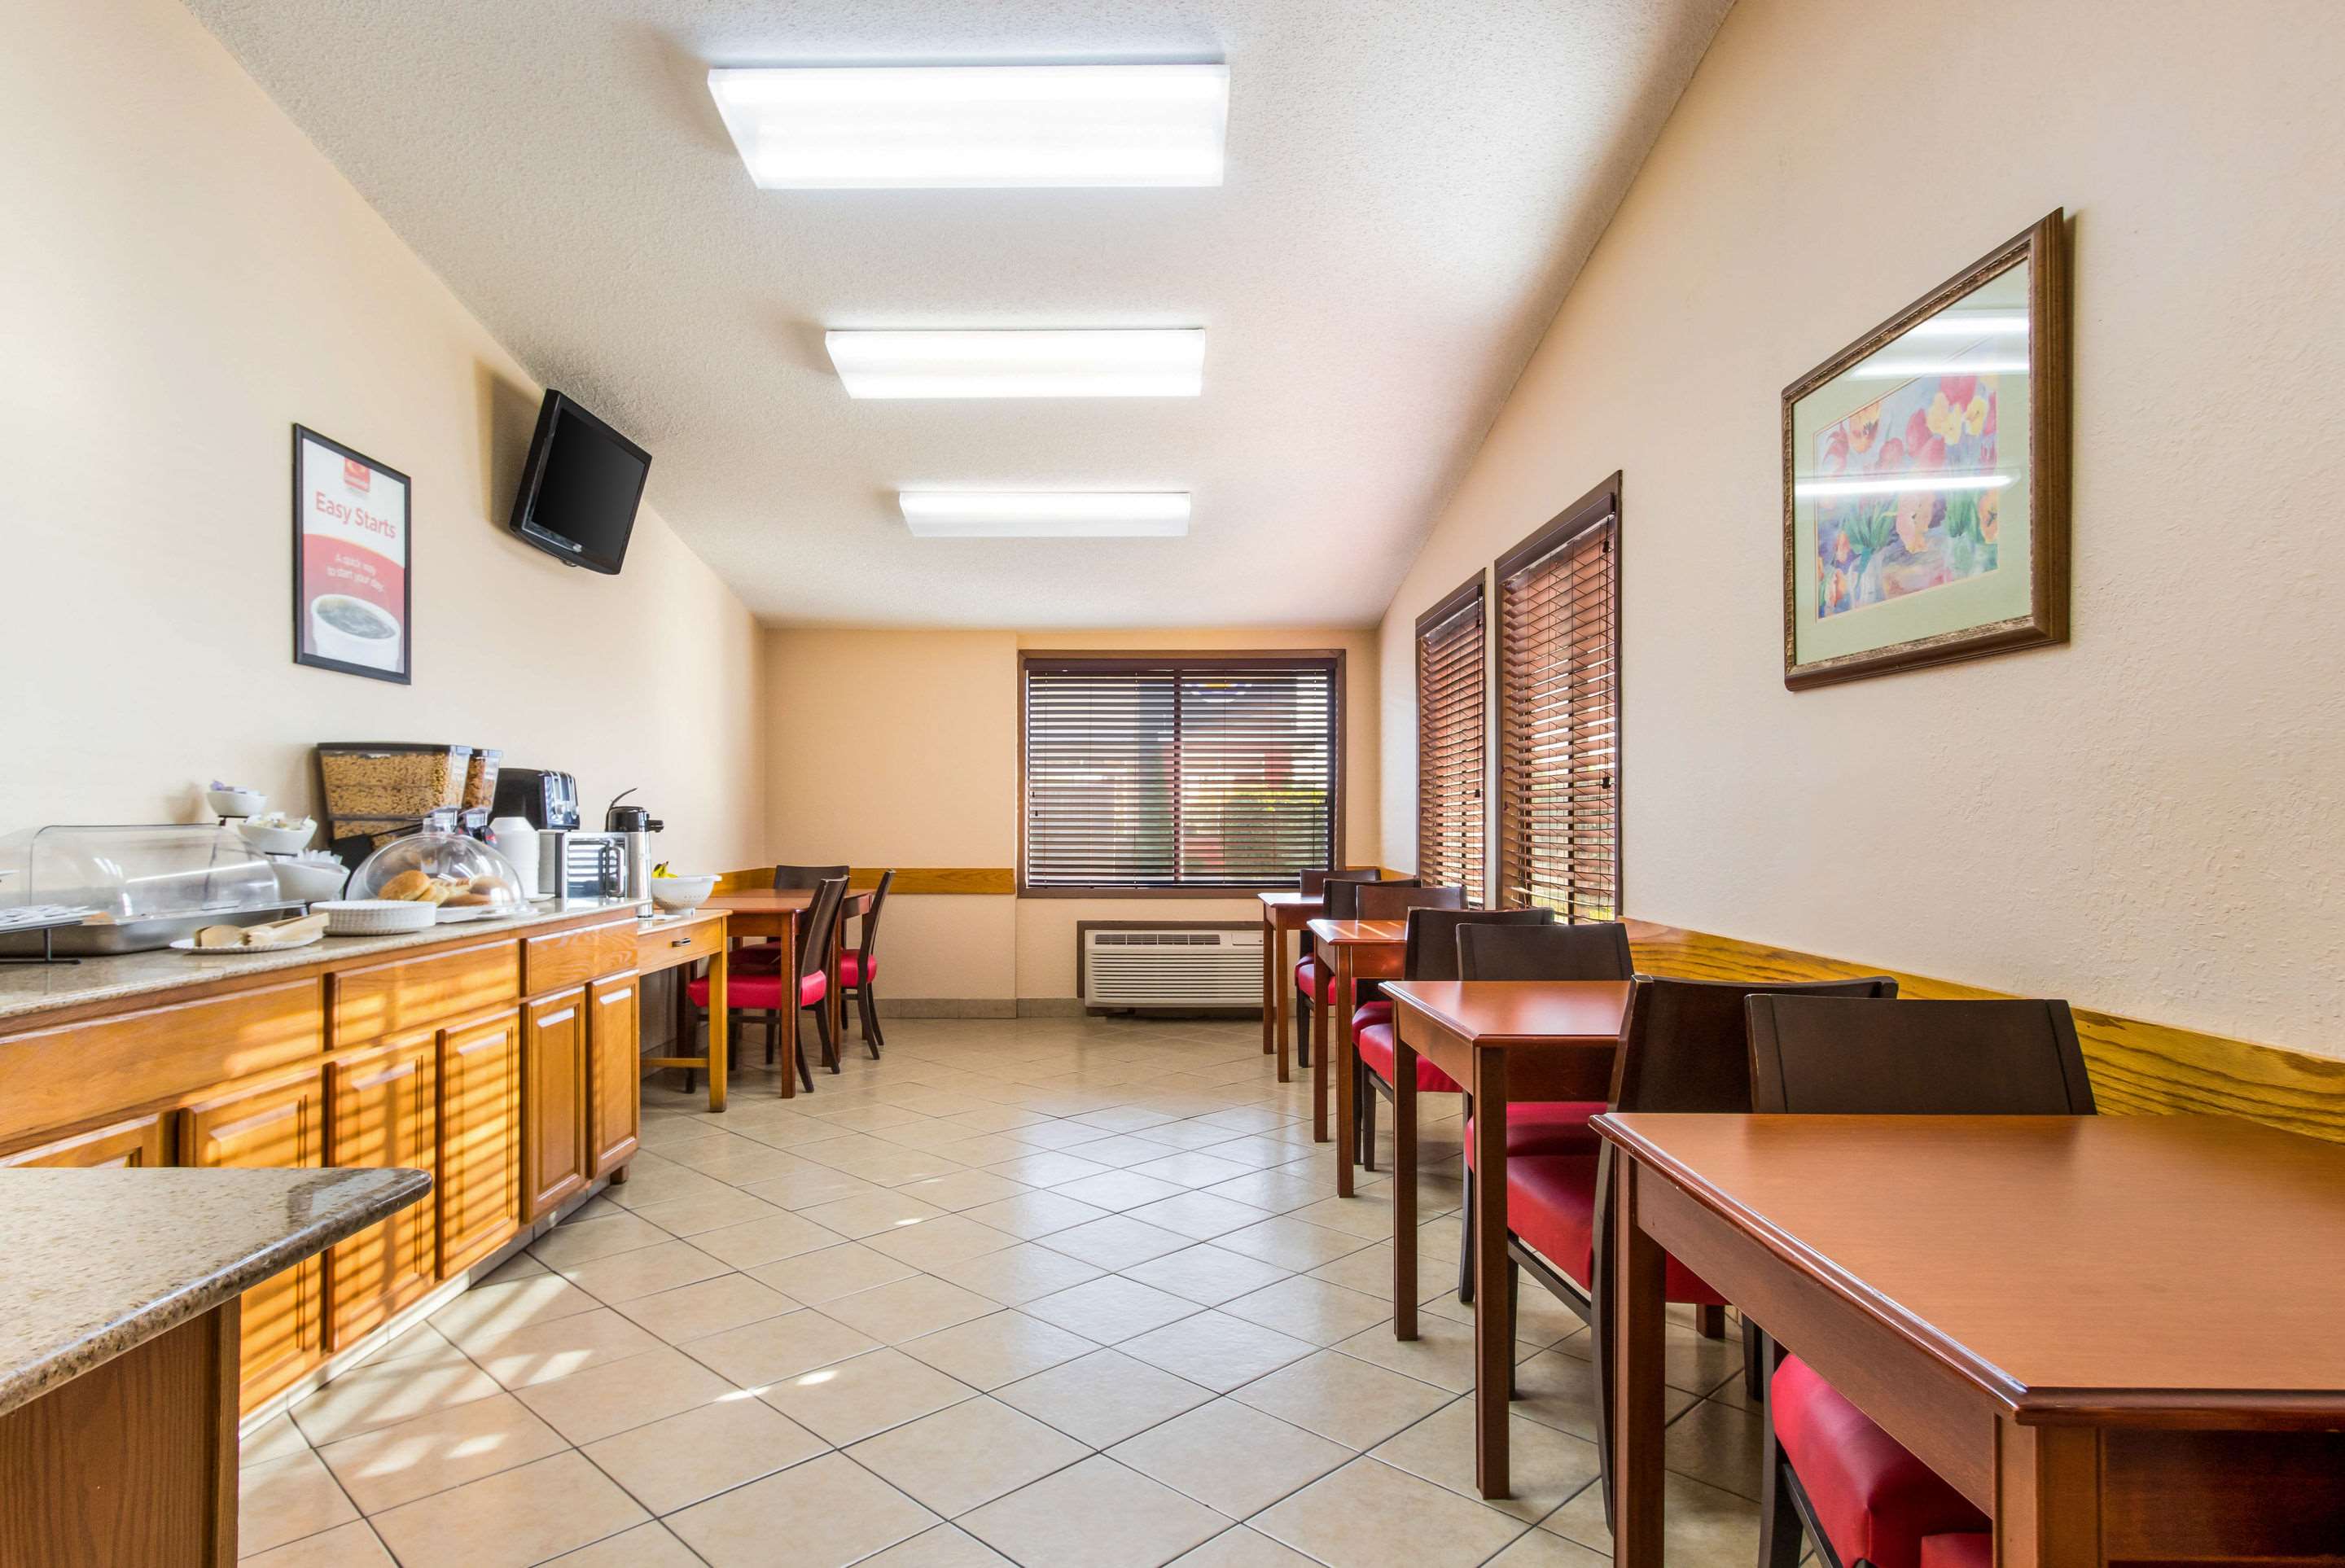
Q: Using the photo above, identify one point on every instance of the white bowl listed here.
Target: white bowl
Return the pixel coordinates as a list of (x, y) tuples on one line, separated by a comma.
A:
[(278, 840), (681, 894), (236, 801), (306, 880), (375, 916)]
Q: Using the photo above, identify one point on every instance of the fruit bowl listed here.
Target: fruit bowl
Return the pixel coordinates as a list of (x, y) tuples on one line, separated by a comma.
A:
[(681, 894)]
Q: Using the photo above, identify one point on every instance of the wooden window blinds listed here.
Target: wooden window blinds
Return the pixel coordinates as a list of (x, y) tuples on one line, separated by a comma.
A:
[(1451, 749), (1559, 714), (1174, 773)]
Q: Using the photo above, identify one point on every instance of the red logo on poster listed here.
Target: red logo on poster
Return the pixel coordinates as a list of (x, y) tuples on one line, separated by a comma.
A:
[(355, 473)]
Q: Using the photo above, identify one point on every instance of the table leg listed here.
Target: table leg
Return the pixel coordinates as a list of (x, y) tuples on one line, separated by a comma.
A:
[(2047, 1496), (1319, 1070), (789, 1041), (830, 997), (1270, 1009), (1638, 1317), (1347, 1067), (720, 974), (1493, 1326), (1404, 1187), (1285, 985)]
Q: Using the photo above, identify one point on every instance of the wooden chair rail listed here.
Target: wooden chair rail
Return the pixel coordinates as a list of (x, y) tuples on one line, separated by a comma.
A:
[(2138, 1068), (995, 880)]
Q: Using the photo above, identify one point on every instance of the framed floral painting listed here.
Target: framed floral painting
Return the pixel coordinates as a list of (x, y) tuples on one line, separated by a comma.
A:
[(1926, 478)]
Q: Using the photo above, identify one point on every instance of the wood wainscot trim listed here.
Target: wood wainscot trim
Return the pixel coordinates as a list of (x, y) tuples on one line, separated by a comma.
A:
[(2137, 1067), (1000, 881)]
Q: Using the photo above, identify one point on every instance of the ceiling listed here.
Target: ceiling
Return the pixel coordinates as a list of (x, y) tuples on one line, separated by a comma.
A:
[(1411, 186)]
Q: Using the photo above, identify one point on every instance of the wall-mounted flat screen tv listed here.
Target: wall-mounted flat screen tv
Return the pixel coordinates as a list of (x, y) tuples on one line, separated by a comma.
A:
[(580, 488)]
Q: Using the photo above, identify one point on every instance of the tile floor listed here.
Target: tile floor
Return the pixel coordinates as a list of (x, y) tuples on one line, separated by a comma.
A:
[(1057, 1293)]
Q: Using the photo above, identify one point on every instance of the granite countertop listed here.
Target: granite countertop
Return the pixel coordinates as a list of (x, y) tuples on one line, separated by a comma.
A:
[(99, 1261), (39, 988)]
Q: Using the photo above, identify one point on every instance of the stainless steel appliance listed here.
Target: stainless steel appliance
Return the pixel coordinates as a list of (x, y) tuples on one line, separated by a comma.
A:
[(547, 799), (591, 865), (634, 826)]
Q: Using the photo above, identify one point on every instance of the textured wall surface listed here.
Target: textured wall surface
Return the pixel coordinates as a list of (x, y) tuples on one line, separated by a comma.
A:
[(2150, 821), (185, 277)]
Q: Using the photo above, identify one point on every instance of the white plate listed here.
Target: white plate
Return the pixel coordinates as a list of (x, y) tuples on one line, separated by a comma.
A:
[(187, 945), (372, 916), (447, 916)]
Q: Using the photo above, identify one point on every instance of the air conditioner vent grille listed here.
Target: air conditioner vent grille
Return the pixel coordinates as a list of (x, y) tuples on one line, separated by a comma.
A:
[(1172, 967)]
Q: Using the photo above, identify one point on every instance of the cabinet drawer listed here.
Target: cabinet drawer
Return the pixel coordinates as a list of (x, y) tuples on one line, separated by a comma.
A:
[(570, 958), (76, 1072), (412, 993), (661, 949)]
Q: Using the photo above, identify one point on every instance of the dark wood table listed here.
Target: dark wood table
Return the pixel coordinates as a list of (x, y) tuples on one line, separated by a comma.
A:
[(2116, 1335), (1282, 913), (1502, 1040), (1359, 950), (770, 913)]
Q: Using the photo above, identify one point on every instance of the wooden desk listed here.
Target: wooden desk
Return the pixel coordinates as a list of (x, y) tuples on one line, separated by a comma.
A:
[(2116, 1335), (1504, 1040), (1360, 950), (775, 912), (1282, 913), (664, 944)]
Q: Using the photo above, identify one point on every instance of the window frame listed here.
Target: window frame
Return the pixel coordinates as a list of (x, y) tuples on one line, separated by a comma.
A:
[(1329, 659), (1589, 513), (1475, 592)]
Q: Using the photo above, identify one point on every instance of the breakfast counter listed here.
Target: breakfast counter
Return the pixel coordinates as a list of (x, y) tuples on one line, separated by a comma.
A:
[(121, 1320)]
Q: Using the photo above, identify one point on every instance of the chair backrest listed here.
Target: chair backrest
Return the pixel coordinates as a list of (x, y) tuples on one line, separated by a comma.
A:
[(820, 924), (1432, 950), (799, 879), (1589, 950), (1818, 1055), (1343, 893), (872, 915), (1688, 1047), (1394, 900)]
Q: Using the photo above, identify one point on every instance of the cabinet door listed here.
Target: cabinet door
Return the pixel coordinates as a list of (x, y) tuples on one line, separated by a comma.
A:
[(614, 1040), (138, 1141), (383, 1109), (480, 1139), (553, 1099), (278, 1123)]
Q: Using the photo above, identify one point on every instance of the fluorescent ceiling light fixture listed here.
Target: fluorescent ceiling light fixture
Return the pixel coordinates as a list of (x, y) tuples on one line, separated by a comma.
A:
[(1887, 369), (1832, 487), (824, 127), (1135, 363), (1045, 514)]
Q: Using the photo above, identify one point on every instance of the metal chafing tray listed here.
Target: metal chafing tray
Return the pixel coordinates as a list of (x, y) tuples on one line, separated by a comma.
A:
[(142, 885)]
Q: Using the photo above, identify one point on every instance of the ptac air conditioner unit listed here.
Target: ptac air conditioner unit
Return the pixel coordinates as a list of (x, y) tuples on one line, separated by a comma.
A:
[(1188, 968)]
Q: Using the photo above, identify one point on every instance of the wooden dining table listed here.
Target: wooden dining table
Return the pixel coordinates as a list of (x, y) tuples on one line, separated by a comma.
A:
[(1359, 950), (774, 913), (2116, 1335), (679, 941), (1502, 1040), (1283, 911)]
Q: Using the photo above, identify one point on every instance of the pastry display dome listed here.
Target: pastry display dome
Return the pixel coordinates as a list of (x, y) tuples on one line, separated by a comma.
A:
[(442, 867)]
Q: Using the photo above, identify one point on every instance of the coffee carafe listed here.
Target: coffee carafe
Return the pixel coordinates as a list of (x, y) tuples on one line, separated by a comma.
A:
[(633, 825)]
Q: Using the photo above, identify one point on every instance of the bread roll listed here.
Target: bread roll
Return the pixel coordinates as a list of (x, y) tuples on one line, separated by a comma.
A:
[(469, 900), (407, 884)]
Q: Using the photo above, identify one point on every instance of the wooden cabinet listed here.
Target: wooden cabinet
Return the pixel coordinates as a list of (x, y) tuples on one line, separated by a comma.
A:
[(142, 1140), (274, 1123), (383, 1109), (614, 1105), (554, 1088), (480, 1194)]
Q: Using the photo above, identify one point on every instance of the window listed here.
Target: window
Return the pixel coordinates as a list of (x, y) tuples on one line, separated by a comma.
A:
[(1559, 712), (1172, 773), (1449, 745)]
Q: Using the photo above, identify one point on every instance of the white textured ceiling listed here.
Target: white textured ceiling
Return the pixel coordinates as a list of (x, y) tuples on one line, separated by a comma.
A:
[(1411, 186)]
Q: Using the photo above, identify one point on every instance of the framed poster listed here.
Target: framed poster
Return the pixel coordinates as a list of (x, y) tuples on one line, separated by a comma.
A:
[(352, 555), (1925, 477)]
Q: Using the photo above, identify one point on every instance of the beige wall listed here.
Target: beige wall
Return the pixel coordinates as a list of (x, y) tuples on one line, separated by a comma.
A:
[(185, 277), (900, 748), (2149, 820)]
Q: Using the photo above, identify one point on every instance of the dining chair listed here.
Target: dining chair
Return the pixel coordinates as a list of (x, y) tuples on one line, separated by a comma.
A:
[(1428, 952), (1863, 1496), (1315, 978), (768, 991), (1309, 981), (767, 954), (855, 969)]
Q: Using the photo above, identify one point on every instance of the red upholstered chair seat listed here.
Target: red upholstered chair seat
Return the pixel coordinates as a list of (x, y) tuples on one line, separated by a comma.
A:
[(1314, 979), (851, 970), (1546, 1126), (1551, 1205), (1375, 1012), (761, 993), (1874, 1500), (1957, 1551), (1376, 1048)]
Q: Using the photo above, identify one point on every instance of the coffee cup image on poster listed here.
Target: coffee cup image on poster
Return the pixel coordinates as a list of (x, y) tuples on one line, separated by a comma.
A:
[(354, 580)]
